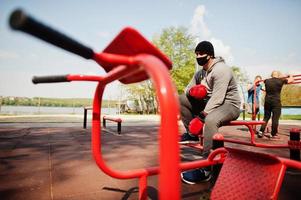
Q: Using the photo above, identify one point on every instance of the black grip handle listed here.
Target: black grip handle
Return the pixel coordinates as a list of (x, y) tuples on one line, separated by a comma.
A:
[(50, 79), (19, 20)]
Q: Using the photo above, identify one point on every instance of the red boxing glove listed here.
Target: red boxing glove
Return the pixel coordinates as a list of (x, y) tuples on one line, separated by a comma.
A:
[(198, 91), (196, 126)]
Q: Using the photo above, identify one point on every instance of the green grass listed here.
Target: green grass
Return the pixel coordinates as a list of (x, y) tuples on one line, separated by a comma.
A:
[(282, 117), (290, 117)]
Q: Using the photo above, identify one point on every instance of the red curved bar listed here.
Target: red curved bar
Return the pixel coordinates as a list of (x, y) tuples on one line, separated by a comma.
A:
[(291, 163), (169, 179), (168, 132), (114, 74), (96, 143)]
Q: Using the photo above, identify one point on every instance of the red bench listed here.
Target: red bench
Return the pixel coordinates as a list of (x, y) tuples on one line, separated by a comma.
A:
[(118, 120)]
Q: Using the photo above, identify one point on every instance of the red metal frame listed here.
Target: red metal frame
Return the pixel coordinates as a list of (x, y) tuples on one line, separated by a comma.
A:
[(170, 166), (130, 58), (250, 125)]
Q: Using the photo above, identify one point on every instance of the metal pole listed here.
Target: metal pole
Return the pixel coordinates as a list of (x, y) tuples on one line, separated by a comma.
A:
[(104, 122), (217, 142), (85, 118), (119, 127), (295, 137)]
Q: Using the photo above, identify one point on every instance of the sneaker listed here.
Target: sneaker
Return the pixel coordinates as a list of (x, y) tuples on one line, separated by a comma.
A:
[(272, 137), (268, 135), (275, 137), (259, 134), (186, 138), (194, 176)]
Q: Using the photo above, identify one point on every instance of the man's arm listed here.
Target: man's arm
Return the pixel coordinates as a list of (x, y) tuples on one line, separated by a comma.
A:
[(192, 82), (221, 79), (290, 79)]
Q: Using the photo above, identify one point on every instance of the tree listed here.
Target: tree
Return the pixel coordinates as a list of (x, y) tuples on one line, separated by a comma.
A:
[(179, 46), (240, 76), (290, 95), (143, 95), (242, 80)]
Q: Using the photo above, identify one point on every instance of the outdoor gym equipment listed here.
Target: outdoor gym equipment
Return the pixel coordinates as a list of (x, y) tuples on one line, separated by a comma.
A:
[(112, 119), (250, 125), (130, 58), (297, 80)]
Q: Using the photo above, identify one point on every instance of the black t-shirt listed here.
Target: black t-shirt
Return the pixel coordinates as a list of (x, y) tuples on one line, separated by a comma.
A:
[(273, 88)]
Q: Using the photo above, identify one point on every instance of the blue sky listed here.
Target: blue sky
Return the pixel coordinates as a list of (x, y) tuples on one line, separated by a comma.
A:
[(259, 36)]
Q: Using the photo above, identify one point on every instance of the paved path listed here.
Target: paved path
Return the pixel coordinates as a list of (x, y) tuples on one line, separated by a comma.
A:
[(53, 161)]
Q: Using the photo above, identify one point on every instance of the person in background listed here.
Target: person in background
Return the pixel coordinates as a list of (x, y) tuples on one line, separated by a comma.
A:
[(250, 101), (211, 99), (272, 103)]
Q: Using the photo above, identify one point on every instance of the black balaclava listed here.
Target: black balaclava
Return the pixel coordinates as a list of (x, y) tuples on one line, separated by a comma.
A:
[(204, 47)]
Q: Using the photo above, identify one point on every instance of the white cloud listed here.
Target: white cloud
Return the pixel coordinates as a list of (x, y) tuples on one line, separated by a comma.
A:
[(200, 30), (222, 50), (198, 26)]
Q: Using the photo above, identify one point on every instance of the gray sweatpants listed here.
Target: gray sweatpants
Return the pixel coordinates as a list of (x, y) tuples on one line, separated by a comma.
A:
[(215, 119)]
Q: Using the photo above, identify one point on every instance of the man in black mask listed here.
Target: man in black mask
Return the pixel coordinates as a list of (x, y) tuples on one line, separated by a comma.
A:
[(211, 99)]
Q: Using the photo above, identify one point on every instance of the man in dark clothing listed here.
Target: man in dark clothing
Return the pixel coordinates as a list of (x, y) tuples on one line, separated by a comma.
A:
[(272, 104), (211, 99)]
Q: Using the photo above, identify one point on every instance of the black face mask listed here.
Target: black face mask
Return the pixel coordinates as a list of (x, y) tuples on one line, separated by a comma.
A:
[(202, 60)]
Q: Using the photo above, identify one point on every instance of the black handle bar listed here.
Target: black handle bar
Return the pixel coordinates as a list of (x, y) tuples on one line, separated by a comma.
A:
[(19, 20), (50, 79)]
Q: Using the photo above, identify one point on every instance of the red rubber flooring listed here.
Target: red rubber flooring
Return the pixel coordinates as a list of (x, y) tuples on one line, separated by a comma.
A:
[(53, 161)]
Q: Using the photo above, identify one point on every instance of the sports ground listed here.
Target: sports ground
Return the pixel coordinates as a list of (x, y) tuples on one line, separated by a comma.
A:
[(45, 158)]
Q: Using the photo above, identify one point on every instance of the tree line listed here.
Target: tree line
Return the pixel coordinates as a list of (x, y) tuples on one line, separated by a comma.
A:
[(53, 102)]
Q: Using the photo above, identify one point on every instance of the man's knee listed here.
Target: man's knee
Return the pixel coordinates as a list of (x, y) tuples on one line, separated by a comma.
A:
[(212, 121)]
